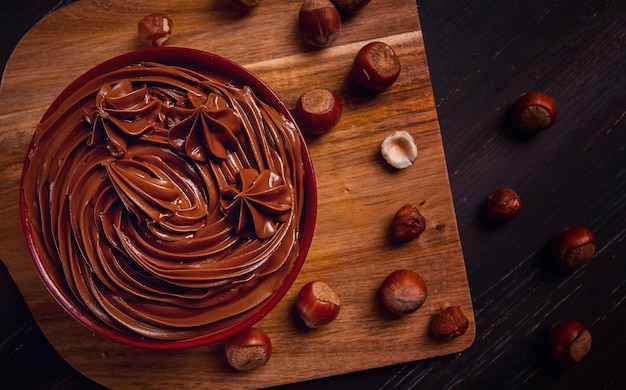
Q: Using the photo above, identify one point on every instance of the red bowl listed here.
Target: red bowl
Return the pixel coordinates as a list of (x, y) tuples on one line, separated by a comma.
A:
[(202, 62)]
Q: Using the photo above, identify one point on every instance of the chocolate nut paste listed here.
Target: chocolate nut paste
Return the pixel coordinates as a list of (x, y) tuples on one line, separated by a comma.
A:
[(165, 201)]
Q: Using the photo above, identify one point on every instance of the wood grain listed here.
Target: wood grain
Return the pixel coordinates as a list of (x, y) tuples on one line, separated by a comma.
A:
[(358, 193)]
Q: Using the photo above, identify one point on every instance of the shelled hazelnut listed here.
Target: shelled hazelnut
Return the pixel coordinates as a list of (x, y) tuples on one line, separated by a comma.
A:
[(403, 292), (408, 223), (248, 350), (534, 111), (449, 322), (399, 149), (503, 205), (570, 341), (574, 247), (155, 29), (317, 304), (319, 22)]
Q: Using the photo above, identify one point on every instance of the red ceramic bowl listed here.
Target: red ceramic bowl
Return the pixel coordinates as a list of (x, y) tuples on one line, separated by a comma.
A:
[(52, 271)]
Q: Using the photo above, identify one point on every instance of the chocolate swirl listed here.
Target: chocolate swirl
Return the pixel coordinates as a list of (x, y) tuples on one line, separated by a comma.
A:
[(165, 201)]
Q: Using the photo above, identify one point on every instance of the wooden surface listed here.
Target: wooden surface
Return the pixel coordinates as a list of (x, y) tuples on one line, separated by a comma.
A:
[(358, 193), (482, 54)]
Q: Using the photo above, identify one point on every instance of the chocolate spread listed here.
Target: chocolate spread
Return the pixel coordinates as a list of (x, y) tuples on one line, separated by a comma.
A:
[(165, 201)]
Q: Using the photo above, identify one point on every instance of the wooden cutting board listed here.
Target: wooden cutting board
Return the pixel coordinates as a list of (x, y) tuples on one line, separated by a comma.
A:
[(358, 193)]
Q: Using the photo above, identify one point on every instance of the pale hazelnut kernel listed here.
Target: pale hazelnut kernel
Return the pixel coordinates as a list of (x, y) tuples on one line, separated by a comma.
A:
[(399, 149)]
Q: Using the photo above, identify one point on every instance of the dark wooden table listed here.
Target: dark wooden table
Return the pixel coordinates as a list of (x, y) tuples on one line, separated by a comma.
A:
[(482, 55)]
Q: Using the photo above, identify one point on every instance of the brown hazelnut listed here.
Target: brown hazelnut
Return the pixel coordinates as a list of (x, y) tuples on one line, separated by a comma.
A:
[(408, 223), (317, 111), (534, 111), (449, 322), (244, 5), (248, 350), (317, 304), (349, 6), (155, 29), (570, 341), (319, 22), (376, 66), (503, 205), (403, 292), (574, 247)]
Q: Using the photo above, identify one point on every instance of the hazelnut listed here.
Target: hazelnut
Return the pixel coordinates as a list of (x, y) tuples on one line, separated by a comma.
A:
[(317, 111), (319, 22), (574, 247), (244, 5), (534, 111), (376, 66), (570, 341), (403, 292), (503, 205), (248, 350), (349, 6), (317, 304), (408, 223), (155, 29), (399, 149), (449, 322)]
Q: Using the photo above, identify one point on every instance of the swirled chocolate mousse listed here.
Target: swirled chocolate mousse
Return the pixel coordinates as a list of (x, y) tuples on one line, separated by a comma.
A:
[(165, 201)]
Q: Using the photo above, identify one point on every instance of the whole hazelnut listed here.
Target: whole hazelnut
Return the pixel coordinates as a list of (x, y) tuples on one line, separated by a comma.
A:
[(534, 111), (403, 292), (319, 22), (574, 247), (248, 350), (349, 6), (408, 223), (449, 322), (155, 29), (317, 111), (570, 341), (244, 5), (503, 205), (317, 304), (376, 66)]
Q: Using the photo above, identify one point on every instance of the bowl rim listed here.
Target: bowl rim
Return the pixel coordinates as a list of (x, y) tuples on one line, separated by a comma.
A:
[(198, 60)]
